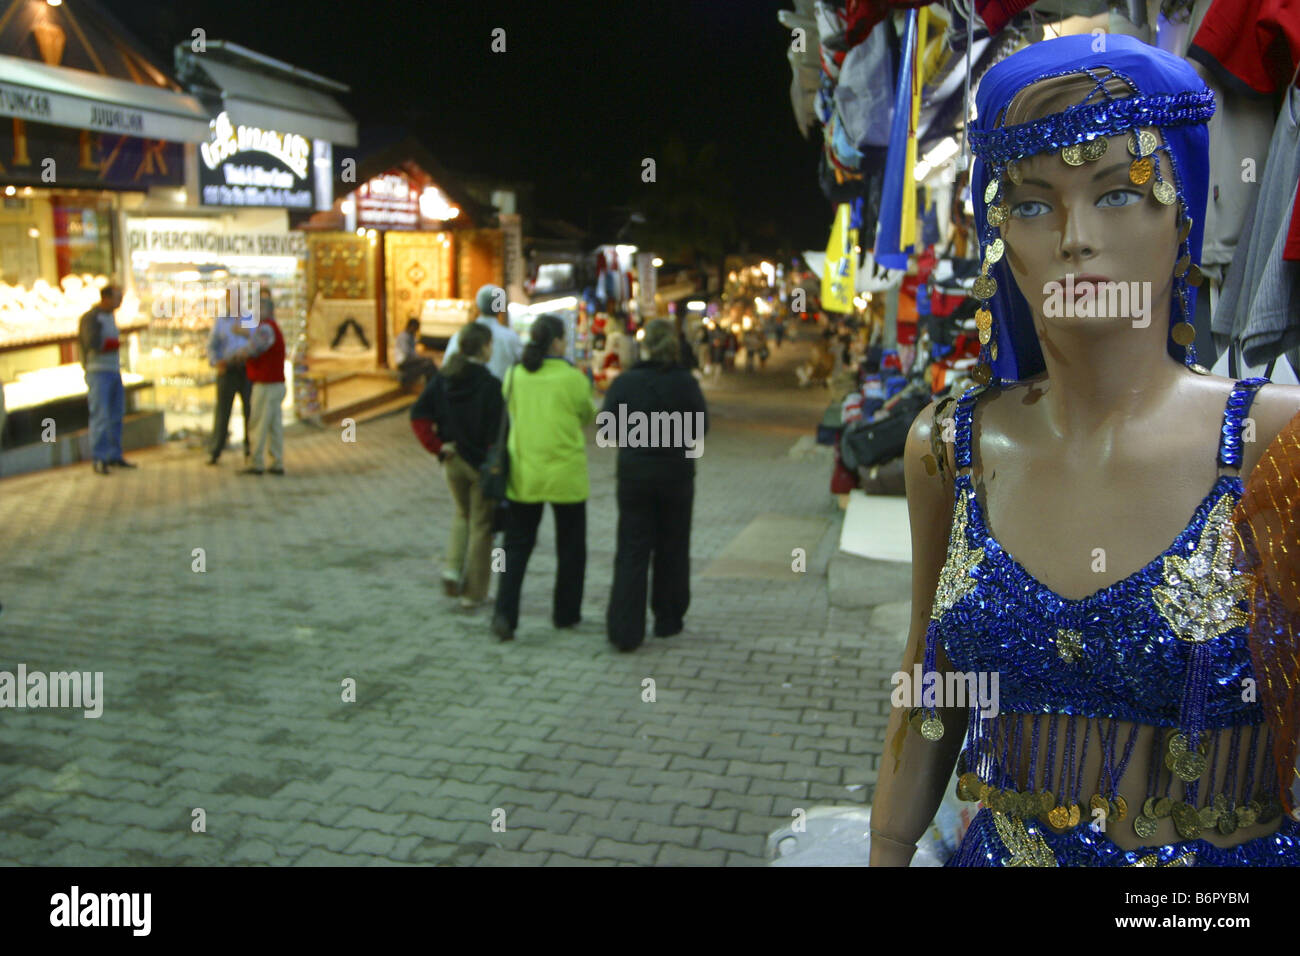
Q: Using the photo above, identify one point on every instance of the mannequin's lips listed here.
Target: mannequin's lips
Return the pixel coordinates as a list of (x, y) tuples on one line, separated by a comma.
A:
[(1087, 278)]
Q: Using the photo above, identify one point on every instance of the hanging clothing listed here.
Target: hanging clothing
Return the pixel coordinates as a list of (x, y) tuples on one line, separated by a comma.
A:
[(1254, 45), (1259, 307), (1241, 127)]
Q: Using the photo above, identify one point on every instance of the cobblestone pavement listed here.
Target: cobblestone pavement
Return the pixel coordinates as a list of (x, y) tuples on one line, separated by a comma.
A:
[(223, 690)]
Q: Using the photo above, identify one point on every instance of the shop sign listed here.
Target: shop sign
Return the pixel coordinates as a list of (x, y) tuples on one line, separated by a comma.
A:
[(202, 241), (76, 112), (247, 166), (34, 154), (388, 202), (647, 282), (512, 226)]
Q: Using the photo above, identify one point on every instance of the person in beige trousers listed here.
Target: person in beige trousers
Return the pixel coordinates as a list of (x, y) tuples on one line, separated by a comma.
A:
[(457, 418)]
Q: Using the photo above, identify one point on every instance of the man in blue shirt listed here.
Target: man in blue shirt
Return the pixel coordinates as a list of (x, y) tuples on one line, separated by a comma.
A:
[(228, 335), (506, 347)]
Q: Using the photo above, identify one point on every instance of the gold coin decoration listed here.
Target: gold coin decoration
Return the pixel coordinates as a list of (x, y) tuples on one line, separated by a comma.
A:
[(998, 214), (990, 191), (967, 787), (1121, 808), (1170, 757), (1164, 192), (996, 248), (1141, 142), (1058, 818), (1185, 229), (1095, 149), (1186, 821), (1144, 826), (1098, 802), (1073, 155), (982, 374), (993, 350), (1076, 814), (1184, 333), (932, 728), (1139, 171), (1228, 823), (985, 287), (1247, 815), (1163, 806), (1195, 276), (1269, 811), (1209, 818), (1182, 265), (1046, 802), (1014, 174), (1149, 807), (1176, 743)]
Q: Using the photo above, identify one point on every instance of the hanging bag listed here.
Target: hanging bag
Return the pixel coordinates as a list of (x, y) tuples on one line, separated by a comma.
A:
[(494, 473)]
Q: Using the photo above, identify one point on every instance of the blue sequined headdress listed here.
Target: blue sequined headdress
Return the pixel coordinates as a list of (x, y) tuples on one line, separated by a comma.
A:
[(1166, 94)]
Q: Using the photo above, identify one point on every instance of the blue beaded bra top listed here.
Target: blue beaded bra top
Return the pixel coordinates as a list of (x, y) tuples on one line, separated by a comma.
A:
[(1166, 646), (1121, 652)]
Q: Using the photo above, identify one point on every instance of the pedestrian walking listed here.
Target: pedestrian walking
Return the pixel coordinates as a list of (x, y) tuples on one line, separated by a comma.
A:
[(456, 418), (263, 359), (228, 336), (549, 402), (106, 395), (506, 347), (656, 491)]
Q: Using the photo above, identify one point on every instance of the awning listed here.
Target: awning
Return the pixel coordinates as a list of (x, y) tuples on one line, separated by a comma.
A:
[(255, 99), (62, 96)]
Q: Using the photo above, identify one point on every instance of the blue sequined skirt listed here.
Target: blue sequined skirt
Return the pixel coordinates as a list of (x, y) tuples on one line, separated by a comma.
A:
[(1008, 841)]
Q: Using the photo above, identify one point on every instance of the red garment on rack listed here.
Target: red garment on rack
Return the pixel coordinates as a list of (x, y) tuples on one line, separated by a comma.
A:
[(998, 13), (861, 16), (1291, 251), (1256, 41)]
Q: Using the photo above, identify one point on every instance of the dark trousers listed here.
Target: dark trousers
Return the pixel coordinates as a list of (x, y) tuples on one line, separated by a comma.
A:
[(570, 552), (654, 519), (233, 381), (415, 369)]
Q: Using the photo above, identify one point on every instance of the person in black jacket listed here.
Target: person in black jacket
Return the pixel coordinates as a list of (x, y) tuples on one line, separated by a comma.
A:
[(656, 486), (456, 418)]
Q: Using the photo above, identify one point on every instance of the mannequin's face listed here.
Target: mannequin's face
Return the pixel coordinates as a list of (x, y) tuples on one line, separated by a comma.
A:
[(1090, 221)]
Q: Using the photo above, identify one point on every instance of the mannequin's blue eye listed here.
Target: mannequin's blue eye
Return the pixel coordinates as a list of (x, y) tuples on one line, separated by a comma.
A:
[(1120, 197), (1030, 208)]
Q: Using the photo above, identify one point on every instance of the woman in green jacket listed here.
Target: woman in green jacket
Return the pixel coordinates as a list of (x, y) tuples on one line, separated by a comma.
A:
[(549, 402)]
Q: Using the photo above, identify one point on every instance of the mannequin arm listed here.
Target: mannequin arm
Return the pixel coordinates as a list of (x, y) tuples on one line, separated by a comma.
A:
[(913, 770)]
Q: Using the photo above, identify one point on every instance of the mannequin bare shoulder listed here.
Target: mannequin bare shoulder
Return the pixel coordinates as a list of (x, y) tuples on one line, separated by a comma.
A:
[(1274, 407)]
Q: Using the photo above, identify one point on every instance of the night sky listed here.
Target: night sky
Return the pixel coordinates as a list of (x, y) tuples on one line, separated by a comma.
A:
[(584, 91)]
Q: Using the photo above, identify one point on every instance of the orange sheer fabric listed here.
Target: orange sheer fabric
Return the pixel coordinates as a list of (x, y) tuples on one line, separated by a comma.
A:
[(1267, 522)]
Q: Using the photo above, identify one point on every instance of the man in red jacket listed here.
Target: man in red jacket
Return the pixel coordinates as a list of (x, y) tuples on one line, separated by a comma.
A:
[(264, 362)]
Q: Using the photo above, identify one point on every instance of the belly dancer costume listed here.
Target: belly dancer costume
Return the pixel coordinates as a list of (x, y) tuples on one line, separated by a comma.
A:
[(1171, 645)]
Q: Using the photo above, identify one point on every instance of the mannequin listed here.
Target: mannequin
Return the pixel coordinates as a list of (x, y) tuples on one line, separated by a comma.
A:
[(1042, 517)]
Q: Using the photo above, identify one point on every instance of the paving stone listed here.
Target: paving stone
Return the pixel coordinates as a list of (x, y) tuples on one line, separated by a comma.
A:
[(229, 698)]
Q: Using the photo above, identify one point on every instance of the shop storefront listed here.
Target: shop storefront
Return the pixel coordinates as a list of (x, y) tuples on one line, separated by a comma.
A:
[(90, 128), (404, 244)]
